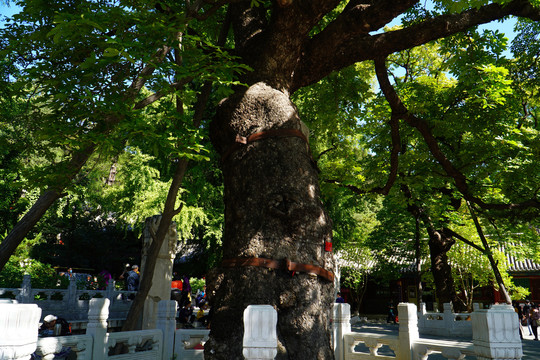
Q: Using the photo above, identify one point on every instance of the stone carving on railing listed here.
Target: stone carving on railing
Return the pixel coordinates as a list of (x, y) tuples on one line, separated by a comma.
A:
[(144, 343), (189, 344), (446, 323), (449, 350)]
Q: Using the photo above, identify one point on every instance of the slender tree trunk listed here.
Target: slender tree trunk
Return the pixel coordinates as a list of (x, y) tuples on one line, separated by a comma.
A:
[(42, 204), (169, 211), (489, 253), (21, 229), (272, 210)]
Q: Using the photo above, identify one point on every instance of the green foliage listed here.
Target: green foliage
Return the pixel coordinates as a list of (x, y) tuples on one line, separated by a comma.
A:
[(43, 275), (11, 275), (197, 284)]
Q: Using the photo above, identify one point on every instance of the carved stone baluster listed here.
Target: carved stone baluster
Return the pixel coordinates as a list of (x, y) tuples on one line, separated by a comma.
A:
[(260, 338), (373, 346), (98, 312), (495, 333)]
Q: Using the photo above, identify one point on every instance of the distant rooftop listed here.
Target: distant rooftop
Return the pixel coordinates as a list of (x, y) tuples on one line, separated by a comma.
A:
[(521, 265)]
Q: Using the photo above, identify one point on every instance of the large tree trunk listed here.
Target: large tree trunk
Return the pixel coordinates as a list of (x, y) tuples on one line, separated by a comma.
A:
[(272, 210)]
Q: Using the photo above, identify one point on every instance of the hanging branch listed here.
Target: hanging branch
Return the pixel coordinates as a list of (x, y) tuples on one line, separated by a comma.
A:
[(423, 127), (489, 253)]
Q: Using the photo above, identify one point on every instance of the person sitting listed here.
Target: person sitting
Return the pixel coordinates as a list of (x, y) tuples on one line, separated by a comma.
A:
[(186, 317), (49, 323)]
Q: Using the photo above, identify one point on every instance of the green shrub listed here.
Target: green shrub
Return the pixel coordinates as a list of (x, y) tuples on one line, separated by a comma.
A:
[(11, 275), (43, 275)]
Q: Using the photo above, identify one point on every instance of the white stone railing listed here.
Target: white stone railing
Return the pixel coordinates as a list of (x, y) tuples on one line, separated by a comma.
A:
[(446, 323), (141, 344), (189, 343), (79, 344), (494, 336), (70, 303)]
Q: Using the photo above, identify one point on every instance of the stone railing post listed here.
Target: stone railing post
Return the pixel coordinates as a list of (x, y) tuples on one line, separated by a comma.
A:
[(25, 296), (495, 333), (448, 318), (72, 293), (98, 312), (421, 316), (341, 325), (109, 291), (166, 322), (408, 330), (19, 325), (260, 337)]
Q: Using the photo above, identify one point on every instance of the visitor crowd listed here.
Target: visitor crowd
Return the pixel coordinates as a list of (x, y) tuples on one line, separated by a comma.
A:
[(529, 318)]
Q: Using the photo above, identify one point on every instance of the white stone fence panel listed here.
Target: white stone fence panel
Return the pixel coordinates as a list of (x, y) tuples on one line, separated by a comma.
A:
[(447, 323), (71, 303), (495, 336)]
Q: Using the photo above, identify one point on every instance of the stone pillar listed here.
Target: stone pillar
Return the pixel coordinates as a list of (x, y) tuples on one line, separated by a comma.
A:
[(448, 316), (260, 337), (341, 325), (161, 282), (98, 313), (109, 291), (19, 324), (496, 334), (166, 322), (25, 295), (72, 301), (408, 330)]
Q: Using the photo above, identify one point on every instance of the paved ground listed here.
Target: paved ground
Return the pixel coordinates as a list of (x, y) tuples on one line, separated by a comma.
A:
[(531, 348)]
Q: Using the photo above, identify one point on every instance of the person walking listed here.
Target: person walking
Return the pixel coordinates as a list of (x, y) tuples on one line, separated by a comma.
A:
[(133, 279), (527, 314), (534, 320)]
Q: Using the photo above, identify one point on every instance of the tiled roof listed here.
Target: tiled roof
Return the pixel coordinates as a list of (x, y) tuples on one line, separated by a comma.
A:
[(406, 260), (524, 265)]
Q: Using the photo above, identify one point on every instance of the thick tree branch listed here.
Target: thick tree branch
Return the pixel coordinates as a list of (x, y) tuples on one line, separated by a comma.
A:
[(331, 50), (159, 94), (423, 127), (452, 233)]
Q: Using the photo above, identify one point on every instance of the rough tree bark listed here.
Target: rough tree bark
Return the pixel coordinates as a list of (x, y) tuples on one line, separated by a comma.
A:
[(439, 245), (273, 210)]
